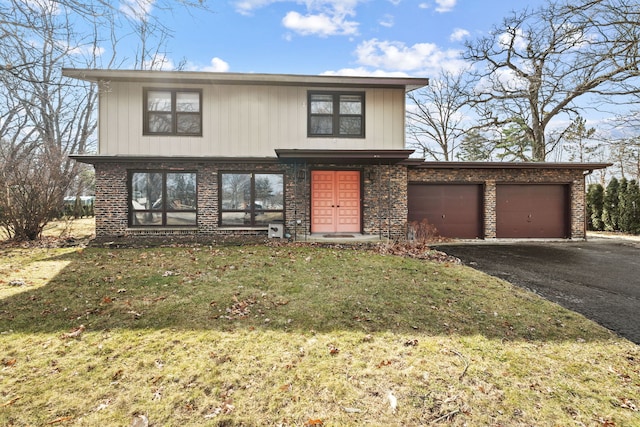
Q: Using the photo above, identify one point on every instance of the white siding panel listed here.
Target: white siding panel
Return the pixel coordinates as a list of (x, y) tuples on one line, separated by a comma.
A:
[(244, 121)]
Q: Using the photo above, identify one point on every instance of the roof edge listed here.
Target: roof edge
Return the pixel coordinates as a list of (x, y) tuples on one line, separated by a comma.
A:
[(203, 77), (342, 156), (421, 164), (95, 159)]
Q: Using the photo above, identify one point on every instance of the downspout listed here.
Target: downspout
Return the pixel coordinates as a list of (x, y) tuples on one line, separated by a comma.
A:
[(389, 202), (307, 203), (295, 198), (378, 205)]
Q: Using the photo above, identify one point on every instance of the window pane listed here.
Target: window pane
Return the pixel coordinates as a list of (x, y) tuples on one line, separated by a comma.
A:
[(321, 125), (269, 191), (181, 191), (321, 104), (181, 218), (265, 218), (350, 104), (147, 218), (159, 122), (188, 123), (236, 191), (350, 125), (188, 102), (147, 191), (236, 218), (158, 101)]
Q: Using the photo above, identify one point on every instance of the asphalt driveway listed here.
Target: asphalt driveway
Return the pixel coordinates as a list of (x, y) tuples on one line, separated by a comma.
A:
[(599, 278)]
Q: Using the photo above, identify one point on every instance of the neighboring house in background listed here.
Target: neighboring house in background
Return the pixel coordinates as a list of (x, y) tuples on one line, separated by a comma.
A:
[(206, 155)]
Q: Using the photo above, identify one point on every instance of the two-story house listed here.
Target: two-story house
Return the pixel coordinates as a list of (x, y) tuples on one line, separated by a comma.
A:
[(206, 155)]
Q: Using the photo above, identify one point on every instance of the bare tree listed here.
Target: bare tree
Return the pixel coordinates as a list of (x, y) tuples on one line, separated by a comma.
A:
[(47, 118), (625, 156), (436, 116), (537, 64), (44, 116)]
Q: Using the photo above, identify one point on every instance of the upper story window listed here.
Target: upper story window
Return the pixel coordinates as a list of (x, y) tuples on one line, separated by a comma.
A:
[(173, 112), (336, 114)]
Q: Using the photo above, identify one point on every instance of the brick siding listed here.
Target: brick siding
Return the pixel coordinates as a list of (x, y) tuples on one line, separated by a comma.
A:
[(490, 178), (384, 199), (384, 196)]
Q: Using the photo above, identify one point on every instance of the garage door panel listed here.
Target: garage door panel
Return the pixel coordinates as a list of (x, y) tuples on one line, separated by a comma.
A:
[(454, 209), (532, 211)]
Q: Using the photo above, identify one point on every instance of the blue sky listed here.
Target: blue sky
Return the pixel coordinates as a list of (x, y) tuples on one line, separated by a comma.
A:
[(349, 37)]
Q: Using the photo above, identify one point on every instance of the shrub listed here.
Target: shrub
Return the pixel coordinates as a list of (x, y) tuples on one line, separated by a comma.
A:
[(595, 204)]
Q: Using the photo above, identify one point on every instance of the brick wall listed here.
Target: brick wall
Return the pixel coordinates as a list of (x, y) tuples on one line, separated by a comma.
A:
[(384, 198), (111, 205), (385, 201), (384, 204), (491, 177)]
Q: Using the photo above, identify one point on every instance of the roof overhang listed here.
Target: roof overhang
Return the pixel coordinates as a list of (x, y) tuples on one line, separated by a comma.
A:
[(344, 156), (95, 159), (421, 164), (199, 77)]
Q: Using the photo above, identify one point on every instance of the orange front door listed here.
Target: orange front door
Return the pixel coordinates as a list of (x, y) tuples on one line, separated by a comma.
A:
[(335, 201)]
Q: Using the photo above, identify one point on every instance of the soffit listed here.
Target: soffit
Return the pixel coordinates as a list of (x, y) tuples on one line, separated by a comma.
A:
[(197, 77)]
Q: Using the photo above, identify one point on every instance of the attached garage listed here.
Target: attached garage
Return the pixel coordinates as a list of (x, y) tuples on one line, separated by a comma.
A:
[(489, 200), (454, 209), (532, 211)]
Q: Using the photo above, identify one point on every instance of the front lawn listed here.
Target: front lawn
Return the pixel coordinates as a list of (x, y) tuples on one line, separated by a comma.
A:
[(294, 335)]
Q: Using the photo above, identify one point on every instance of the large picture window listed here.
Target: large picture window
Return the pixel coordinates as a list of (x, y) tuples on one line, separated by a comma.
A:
[(162, 199), (172, 112), (336, 114), (251, 199)]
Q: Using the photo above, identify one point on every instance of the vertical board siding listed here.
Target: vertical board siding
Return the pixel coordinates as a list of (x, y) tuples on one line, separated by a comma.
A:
[(243, 121)]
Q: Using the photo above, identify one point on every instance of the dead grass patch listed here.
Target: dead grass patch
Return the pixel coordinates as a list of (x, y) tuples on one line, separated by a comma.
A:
[(293, 336)]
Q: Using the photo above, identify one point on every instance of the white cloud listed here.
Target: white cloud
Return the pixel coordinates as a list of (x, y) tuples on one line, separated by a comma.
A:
[(364, 72), (459, 34), (420, 58), (159, 62), (49, 6), (88, 50), (217, 66), (395, 2), (445, 5), (136, 9), (322, 17), (387, 21), (246, 7), (321, 24), (424, 6), (501, 80), (518, 39)]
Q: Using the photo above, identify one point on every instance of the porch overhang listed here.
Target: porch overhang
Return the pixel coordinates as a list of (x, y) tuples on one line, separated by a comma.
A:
[(344, 156), (95, 159), (586, 167)]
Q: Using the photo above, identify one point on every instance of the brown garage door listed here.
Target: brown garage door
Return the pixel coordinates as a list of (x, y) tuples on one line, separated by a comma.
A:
[(454, 209), (532, 211)]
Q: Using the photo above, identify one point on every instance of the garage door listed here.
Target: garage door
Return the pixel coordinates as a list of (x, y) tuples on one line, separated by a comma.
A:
[(454, 209), (532, 211)]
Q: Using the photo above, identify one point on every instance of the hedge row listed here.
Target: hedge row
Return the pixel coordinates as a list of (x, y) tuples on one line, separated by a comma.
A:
[(616, 208)]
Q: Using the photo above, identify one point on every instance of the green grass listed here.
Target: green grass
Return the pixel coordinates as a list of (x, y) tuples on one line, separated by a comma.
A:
[(295, 335)]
